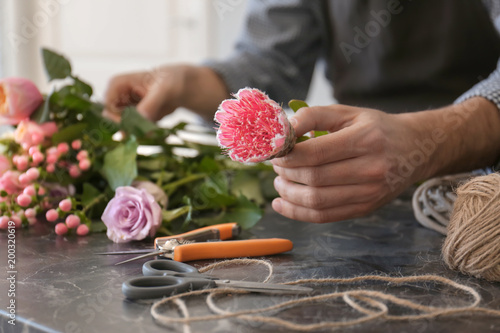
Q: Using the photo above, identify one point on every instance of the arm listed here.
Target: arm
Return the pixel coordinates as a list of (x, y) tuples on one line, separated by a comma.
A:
[(370, 157), (278, 48)]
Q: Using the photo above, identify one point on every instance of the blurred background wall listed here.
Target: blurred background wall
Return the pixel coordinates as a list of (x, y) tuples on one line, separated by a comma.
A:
[(107, 37)]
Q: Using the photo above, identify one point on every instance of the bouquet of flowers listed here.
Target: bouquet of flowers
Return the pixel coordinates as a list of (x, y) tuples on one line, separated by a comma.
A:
[(67, 164)]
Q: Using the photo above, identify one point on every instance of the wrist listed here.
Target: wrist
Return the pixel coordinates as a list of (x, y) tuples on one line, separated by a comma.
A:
[(456, 138)]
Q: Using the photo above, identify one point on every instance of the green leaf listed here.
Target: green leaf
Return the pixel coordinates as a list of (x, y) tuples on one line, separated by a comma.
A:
[(296, 104), (120, 166), (75, 102), (81, 87), (246, 213), (89, 194), (135, 124), (69, 133), (208, 165), (56, 65), (42, 114), (248, 185), (98, 226), (170, 215)]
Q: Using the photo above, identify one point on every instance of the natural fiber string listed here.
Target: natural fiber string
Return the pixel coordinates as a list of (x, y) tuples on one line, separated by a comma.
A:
[(370, 297), (244, 261)]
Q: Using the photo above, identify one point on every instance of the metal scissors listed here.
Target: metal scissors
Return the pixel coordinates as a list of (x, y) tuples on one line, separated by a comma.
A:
[(165, 277)]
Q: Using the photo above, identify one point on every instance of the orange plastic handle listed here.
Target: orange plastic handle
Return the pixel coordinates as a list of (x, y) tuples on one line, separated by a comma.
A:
[(231, 249), (225, 231)]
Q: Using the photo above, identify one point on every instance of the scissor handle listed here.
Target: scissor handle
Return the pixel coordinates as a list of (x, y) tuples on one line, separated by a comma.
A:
[(165, 267), (161, 286)]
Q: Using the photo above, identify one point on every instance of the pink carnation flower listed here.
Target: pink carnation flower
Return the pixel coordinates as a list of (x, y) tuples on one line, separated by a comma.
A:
[(18, 99), (133, 214), (253, 128)]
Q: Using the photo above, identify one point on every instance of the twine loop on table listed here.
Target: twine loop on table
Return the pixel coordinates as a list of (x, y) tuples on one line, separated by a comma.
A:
[(371, 304)]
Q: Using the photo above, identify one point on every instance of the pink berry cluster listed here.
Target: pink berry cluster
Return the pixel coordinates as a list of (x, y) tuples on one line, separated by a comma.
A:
[(72, 221), (28, 170)]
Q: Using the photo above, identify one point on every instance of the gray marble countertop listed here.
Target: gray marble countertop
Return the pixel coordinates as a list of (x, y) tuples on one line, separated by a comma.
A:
[(61, 286)]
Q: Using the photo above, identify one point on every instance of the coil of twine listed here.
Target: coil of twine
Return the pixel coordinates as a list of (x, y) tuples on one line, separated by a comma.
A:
[(472, 245)]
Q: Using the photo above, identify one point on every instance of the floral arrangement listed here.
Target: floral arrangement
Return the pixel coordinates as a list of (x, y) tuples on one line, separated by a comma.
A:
[(67, 164)]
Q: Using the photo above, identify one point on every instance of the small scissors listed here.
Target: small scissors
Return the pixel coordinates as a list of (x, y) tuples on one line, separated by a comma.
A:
[(165, 277)]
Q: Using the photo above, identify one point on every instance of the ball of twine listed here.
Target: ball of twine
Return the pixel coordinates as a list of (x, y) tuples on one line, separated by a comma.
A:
[(472, 245)]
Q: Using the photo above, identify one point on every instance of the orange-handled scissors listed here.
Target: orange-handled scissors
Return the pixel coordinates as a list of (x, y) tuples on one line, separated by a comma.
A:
[(196, 245)]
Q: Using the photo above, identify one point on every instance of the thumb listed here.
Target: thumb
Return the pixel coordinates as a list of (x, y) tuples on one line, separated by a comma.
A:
[(322, 118), (152, 104)]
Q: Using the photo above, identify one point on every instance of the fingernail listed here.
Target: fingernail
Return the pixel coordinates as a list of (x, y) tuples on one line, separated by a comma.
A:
[(276, 204), (293, 121), (277, 182)]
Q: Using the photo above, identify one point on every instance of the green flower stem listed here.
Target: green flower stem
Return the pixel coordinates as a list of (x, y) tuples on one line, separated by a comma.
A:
[(170, 188), (94, 202)]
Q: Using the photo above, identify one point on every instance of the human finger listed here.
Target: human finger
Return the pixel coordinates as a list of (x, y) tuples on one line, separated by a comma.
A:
[(305, 214), (323, 118), (322, 197), (348, 171)]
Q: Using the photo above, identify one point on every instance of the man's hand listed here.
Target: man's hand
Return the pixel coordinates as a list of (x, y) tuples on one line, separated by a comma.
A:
[(369, 157), (159, 92)]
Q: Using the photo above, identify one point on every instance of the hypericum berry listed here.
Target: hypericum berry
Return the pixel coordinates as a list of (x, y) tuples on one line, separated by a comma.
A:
[(30, 190), (32, 220), (23, 200), (33, 173), (82, 155), (72, 221), (61, 229), (84, 164), (21, 163), (82, 230), (74, 171), (37, 157), (41, 191), (52, 158), (17, 221), (65, 205), (4, 222), (24, 179), (76, 144), (52, 215), (63, 148), (33, 150), (50, 168), (253, 127), (30, 213)]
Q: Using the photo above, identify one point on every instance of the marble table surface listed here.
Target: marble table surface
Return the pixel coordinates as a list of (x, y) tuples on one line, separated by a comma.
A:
[(62, 286)]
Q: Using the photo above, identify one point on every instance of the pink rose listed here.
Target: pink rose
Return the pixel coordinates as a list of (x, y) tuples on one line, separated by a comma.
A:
[(133, 214), (4, 164), (9, 182), (18, 99), (29, 133)]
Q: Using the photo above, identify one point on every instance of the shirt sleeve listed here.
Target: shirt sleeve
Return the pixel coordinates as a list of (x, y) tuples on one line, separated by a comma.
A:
[(277, 49), (490, 87)]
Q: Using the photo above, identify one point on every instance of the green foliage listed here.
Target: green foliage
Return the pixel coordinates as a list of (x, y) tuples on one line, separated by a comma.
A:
[(205, 189)]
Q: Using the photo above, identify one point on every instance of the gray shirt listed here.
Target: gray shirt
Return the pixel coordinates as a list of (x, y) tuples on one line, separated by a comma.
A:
[(394, 55)]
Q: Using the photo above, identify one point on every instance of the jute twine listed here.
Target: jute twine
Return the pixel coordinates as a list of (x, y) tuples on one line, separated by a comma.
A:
[(472, 245), (371, 304)]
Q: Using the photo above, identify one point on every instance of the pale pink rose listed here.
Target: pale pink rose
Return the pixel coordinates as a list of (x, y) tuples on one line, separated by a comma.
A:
[(9, 182), (19, 97), (29, 133), (133, 214), (4, 164), (153, 189), (253, 127)]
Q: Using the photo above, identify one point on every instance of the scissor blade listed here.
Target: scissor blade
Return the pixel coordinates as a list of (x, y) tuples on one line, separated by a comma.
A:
[(260, 287), (156, 253), (125, 252)]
